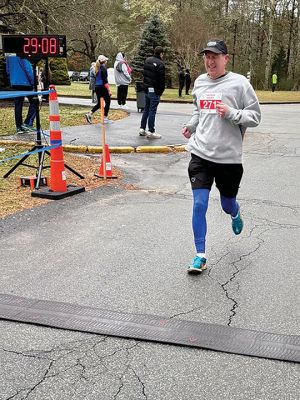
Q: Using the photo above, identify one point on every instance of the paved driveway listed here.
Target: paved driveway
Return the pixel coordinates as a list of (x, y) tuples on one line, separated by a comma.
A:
[(128, 250)]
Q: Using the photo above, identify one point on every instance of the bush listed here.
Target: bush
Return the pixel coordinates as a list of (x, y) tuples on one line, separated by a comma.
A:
[(4, 81), (286, 84), (59, 71)]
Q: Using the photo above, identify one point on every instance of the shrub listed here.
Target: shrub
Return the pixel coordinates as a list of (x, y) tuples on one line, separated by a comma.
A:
[(59, 71)]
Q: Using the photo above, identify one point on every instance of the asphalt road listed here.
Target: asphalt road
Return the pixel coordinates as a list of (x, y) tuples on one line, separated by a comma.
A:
[(128, 250)]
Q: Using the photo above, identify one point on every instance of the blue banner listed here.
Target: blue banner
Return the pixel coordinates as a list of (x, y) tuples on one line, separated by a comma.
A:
[(10, 94)]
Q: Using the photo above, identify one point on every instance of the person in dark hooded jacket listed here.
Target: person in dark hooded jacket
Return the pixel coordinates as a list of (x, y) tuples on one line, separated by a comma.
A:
[(188, 81), (154, 85), (181, 80)]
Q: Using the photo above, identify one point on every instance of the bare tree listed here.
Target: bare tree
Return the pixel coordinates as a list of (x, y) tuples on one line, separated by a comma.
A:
[(271, 7), (255, 30)]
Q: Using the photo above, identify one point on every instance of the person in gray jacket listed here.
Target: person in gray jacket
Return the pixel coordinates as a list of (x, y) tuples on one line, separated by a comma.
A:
[(122, 78), (92, 83), (225, 105)]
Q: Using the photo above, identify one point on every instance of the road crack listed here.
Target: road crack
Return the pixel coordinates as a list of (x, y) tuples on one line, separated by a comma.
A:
[(227, 285)]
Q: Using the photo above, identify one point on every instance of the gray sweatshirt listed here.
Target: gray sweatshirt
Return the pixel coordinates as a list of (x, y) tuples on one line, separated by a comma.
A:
[(220, 139), (121, 77)]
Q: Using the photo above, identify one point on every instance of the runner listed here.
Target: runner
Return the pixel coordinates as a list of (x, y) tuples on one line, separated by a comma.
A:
[(225, 105), (102, 89)]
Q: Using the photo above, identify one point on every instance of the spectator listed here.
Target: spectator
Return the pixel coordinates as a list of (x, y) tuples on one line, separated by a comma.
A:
[(102, 89), (181, 79), (154, 84), (187, 81), (21, 76), (274, 81), (93, 82), (122, 77)]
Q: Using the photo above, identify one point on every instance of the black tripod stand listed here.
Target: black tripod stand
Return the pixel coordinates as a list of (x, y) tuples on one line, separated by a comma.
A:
[(38, 145)]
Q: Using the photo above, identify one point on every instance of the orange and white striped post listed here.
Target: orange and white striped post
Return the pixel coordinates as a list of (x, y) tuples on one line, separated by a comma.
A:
[(105, 171), (58, 182), (103, 138)]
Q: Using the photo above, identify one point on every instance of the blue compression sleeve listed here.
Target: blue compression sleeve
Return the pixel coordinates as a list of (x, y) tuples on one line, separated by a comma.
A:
[(230, 205), (199, 218)]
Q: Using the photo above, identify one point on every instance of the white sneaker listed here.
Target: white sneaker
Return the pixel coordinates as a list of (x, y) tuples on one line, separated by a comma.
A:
[(142, 132), (125, 107), (89, 118), (107, 121), (153, 135)]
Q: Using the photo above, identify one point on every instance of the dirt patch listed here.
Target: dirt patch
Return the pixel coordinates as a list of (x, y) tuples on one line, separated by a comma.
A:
[(14, 198)]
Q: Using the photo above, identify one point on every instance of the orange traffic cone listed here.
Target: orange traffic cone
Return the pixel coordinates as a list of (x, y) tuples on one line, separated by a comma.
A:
[(58, 182), (108, 165)]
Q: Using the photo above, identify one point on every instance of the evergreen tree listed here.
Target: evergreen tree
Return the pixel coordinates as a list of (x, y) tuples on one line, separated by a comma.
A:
[(154, 34), (279, 64), (59, 71)]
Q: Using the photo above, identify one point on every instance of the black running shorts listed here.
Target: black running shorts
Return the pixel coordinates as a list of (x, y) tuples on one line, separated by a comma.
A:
[(202, 174)]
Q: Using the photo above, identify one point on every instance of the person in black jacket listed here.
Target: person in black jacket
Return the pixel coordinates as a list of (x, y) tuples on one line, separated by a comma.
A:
[(187, 81), (181, 79), (154, 85)]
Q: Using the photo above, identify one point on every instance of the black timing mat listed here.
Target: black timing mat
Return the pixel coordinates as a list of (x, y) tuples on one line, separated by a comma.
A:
[(151, 328)]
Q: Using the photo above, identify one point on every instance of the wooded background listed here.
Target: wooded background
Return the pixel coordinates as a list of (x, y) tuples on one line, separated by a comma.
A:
[(263, 36)]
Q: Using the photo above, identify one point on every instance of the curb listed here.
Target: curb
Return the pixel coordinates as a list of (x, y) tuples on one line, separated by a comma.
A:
[(178, 148), (17, 143)]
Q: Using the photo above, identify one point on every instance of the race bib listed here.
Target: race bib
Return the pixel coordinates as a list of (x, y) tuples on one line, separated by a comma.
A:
[(209, 101)]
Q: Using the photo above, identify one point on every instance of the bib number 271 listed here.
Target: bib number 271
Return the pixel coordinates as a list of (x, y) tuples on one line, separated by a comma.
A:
[(208, 103)]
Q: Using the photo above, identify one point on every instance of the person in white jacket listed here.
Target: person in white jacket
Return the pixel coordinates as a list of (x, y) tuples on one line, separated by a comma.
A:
[(123, 78), (225, 105)]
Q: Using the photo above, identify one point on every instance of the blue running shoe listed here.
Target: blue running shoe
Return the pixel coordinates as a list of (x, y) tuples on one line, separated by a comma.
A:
[(199, 265), (237, 224)]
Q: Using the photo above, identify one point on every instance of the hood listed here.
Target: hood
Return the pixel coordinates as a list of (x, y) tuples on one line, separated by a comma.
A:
[(119, 57)]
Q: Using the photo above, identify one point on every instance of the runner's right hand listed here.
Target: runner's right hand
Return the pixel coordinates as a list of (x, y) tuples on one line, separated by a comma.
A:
[(186, 133)]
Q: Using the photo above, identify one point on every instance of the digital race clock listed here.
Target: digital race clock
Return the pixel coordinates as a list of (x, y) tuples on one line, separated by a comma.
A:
[(35, 46)]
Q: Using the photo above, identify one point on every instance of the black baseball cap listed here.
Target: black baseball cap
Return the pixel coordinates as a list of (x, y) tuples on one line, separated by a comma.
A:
[(215, 46)]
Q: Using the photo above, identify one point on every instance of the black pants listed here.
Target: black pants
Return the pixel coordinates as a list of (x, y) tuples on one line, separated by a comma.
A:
[(187, 88), (181, 86), (19, 108), (122, 92), (101, 91)]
